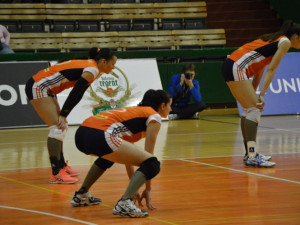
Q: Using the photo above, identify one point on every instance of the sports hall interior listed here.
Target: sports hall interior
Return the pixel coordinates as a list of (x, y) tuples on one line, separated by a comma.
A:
[(202, 179)]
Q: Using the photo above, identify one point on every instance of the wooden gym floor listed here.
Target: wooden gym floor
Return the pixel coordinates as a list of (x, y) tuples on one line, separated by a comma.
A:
[(202, 178)]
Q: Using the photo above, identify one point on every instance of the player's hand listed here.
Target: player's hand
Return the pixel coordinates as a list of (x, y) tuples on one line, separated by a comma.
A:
[(189, 82), (261, 103), (62, 123), (146, 196), (136, 198)]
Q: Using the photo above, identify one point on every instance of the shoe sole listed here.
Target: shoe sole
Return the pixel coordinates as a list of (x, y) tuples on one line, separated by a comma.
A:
[(127, 214), (60, 182), (85, 204), (73, 175), (258, 166)]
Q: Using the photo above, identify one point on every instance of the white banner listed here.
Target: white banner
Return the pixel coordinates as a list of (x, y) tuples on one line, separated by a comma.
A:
[(124, 86)]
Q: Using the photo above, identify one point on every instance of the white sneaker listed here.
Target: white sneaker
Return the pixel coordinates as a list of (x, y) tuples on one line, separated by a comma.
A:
[(196, 116), (128, 208), (84, 199), (172, 116), (258, 162), (264, 157)]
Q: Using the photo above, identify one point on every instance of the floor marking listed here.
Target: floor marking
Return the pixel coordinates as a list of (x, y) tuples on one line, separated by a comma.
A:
[(48, 214), (166, 159), (238, 217), (242, 171), (49, 190)]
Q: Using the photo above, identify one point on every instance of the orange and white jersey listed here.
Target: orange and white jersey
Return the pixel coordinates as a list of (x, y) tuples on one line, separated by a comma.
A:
[(61, 76), (253, 57), (128, 123)]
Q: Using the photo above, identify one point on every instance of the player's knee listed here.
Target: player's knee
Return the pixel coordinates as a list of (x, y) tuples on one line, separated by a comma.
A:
[(150, 168), (57, 133), (253, 114), (103, 163)]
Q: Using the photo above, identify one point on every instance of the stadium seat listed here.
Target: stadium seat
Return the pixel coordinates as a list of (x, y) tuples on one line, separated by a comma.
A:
[(195, 23), (118, 25), (124, 1), (171, 24), (88, 26), (143, 24), (100, 1), (32, 26), (63, 26)]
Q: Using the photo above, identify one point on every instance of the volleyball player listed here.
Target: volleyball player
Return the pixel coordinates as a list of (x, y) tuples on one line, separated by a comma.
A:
[(110, 136), (248, 61), (41, 90)]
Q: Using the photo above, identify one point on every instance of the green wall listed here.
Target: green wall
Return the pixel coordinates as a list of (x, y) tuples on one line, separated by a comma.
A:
[(287, 9), (213, 87)]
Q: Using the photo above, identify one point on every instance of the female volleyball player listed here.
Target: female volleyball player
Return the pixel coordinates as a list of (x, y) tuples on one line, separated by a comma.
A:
[(248, 61), (110, 136), (41, 90)]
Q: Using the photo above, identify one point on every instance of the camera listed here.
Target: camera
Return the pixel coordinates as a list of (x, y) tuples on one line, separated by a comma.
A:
[(188, 76)]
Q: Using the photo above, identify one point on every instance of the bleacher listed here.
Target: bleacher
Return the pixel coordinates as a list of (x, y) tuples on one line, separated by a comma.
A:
[(122, 26)]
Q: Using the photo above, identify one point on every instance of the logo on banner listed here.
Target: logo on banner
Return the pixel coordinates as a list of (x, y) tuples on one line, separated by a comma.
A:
[(110, 91)]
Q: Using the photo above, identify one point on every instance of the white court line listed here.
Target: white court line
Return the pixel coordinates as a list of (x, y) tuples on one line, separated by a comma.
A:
[(242, 171), (48, 214), (206, 157), (294, 130)]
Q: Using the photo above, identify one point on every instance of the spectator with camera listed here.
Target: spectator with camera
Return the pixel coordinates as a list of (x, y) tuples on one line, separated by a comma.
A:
[(182, 87)]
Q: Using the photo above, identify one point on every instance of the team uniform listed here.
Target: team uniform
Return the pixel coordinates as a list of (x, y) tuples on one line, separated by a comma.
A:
[(103, 133), (250, 59), (59, 77)]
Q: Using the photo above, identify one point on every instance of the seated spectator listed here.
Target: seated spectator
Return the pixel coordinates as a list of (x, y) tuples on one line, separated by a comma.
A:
[(182, 87), (4, 40)]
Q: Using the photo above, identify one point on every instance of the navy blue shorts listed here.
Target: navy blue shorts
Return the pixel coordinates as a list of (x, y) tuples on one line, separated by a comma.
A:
[(96, 142)]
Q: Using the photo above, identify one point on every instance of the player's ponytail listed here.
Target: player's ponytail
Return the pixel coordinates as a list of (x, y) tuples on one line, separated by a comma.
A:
[(103, 53), (154, 98), (288, 28)]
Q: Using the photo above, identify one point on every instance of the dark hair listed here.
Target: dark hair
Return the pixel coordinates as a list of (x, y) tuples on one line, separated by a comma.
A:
[(288, 28), (103, 53), (187, 67), (154, 98)]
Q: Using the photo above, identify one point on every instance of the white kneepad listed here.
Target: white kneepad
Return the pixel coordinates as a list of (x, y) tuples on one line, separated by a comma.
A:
[(57, 133), (253, 114)]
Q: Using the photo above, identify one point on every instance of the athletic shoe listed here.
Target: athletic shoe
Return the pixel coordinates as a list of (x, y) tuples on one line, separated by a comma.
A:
[(172, 116), (128, 208), (62, 178), (71, 171), (258, 162), (264, 157), (196, 116), (84, 199)]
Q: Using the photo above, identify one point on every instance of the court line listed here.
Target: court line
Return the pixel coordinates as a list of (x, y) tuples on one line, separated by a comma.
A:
[(238, 217), (206, 157), (294, 130), (242, 171), (57, 192), (47, 214)]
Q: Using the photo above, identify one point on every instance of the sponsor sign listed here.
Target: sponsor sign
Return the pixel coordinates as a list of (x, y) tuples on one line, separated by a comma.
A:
[(15, 109), (124, 86)]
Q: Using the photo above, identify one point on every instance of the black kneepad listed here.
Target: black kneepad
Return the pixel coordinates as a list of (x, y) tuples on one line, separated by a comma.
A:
[(103, 163), (150, 168)]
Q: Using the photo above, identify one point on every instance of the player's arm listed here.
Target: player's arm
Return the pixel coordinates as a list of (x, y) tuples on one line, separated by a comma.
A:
[(281, 51), (256, 80), (75, 96), (151, 135)]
